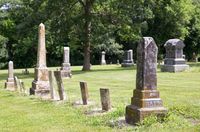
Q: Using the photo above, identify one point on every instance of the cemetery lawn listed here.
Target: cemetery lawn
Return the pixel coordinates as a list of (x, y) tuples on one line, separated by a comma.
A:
[(180, 93)]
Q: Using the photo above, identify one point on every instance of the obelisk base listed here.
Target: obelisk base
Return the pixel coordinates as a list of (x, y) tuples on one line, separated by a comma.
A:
[(66, 70), (40, 89), (143, 104), (135, 114), (127, 63), (10, 84)]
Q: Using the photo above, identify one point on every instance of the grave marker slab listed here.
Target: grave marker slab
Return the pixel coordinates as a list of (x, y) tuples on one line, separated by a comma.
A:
[(145, 100), (174, 61)]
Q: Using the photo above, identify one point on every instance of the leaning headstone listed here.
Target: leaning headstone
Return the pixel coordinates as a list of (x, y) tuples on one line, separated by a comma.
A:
[(145, 100), (66, 69), (128, 59), (84, 92), (10, 83), (174, 61), (17, 83), (52, 85), (103, 58), (22, 87), (40, 85), (105, 99), (60, 85)]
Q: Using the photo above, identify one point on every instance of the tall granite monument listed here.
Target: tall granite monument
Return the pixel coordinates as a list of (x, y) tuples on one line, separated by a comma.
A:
[(40, 85), (128, 59), (146, 99), (174, 61), (103, 58), (66, 69), (10, 83)]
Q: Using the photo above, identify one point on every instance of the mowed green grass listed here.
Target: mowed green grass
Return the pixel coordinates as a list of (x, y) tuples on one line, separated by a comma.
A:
[(180, 93)]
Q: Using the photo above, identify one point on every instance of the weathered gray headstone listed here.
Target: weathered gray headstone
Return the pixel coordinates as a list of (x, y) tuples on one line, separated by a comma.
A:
[(66, 66), (194, 57), (10, 83), (22, 87), (105, 99), (52, 85), (145, 100), (128, 59), (174, 61), (17, 83), (60, 85), (40, 85), (103, 58), (84, 92)]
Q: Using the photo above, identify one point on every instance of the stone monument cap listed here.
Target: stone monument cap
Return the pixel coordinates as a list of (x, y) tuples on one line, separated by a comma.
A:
[(66, 48), (175, 43), (41, 26)]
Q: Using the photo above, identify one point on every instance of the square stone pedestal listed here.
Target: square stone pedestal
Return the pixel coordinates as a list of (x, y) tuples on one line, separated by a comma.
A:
[(174, 68), (135, 114), (66, 70), (127, 63), (10, 84)]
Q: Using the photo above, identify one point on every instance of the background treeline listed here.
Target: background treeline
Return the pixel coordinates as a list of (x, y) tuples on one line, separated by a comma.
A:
[(90, 26)]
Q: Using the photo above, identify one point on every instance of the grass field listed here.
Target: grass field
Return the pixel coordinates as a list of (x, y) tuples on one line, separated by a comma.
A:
[(180, 93)]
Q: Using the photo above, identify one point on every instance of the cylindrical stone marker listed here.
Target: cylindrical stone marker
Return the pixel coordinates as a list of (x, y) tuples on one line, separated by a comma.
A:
[(10, 70), (60, 85), (105, 99), (84, 92)]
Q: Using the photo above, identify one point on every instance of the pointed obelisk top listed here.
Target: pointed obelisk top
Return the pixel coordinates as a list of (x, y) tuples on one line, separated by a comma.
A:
[(41, 26)]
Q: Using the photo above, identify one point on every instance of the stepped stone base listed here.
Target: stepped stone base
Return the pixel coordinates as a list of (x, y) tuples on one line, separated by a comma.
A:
[(174, 68), (135, 114)]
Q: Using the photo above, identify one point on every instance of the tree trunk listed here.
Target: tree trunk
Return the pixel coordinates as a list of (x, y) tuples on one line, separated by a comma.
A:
[(87, 28)]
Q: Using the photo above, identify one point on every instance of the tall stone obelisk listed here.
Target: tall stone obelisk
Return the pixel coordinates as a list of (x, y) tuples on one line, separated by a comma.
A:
[(146, 99), (40, 85), (66, 66), (10, 83)]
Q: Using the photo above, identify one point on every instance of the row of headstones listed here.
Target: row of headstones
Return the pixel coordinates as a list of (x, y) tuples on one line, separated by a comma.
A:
[(173, 62), (56, 88)]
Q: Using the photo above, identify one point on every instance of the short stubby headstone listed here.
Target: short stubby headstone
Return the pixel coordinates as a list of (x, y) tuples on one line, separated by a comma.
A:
[(128, 59), (10, 83), (84, 92), (105, 99), (145, 100), (61, 90), (66, 66), (103, 58), (40, 85), (174, 61)]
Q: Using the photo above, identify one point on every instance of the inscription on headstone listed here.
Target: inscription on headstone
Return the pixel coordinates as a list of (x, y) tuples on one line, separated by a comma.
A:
[(145, 100), (105, 99)]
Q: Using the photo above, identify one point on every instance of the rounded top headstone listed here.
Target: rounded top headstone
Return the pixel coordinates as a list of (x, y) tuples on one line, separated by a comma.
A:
[(10, 62), (66, 48), (174, 43), (41, 26)]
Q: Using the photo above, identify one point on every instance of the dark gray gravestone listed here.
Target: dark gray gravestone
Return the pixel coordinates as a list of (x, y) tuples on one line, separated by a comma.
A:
[(145, 100), (128, 59), (174, 61)]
